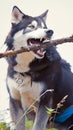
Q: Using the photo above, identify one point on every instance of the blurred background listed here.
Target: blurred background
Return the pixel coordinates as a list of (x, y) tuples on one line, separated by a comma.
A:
[(60, 19)]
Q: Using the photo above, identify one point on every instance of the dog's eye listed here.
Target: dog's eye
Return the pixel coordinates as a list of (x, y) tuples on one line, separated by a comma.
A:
[(31, 26)]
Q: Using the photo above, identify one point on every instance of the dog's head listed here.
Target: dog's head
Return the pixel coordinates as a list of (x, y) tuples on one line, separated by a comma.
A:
[(27, 30)]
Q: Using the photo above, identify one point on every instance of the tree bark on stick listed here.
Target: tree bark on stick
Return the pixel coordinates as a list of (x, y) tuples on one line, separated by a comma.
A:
[(38, 46)]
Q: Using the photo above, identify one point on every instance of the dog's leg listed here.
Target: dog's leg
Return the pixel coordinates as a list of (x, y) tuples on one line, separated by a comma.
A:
[(16, 112), (41, 119)]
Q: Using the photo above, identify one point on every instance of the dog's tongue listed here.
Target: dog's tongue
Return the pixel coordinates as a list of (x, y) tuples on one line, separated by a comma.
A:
[(40, 51)]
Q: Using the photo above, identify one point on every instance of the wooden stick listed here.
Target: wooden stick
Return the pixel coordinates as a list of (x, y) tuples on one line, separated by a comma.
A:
[(38, 46)]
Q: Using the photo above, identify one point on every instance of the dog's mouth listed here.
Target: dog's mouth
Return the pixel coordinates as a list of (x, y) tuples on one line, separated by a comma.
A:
[(38, 53)]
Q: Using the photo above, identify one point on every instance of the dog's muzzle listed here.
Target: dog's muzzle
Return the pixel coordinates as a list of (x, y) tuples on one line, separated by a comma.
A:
[(34, 41)]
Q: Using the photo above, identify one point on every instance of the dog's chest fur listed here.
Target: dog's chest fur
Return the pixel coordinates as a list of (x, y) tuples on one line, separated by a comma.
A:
[(23, 61), (21, 86)]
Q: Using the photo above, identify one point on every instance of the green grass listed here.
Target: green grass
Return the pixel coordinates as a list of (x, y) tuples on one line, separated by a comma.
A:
[(3, 126), (29, 124)]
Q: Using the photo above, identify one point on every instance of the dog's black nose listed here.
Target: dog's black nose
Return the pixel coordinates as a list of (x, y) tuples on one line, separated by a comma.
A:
[(49, 33)]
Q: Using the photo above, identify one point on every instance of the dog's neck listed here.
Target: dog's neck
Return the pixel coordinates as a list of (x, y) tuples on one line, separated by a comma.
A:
[(22, 61)]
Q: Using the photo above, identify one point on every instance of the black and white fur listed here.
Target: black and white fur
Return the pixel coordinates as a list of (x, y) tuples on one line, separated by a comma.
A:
[(30, 74)]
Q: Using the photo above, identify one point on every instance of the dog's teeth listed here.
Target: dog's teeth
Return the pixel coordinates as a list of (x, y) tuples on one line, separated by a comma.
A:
[(47, 40), (30, 43), (40, 39)]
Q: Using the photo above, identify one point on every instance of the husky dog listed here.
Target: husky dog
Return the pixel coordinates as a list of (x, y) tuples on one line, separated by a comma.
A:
[(33, 75)]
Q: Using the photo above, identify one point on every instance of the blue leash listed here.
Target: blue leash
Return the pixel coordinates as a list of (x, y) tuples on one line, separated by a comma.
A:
[(65, 115)]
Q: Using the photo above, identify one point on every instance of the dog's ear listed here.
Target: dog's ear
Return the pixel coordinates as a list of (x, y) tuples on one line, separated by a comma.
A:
[(44, 15), (17, 15)]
